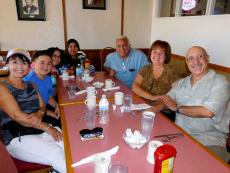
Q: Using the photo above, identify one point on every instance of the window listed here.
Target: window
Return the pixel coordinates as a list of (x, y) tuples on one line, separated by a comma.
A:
[(167, 8), (222, 7), (171, 8), (193, 7)]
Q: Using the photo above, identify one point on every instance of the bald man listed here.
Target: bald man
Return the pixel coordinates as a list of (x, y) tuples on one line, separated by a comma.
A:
[(201, 102)]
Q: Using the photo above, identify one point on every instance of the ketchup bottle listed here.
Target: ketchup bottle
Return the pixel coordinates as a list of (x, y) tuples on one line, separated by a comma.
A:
[(164, 158)]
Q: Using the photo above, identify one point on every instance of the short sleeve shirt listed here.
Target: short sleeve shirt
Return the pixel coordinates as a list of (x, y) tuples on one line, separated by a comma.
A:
[(44, 86), (158, 86), (126, 69), (211, 92)]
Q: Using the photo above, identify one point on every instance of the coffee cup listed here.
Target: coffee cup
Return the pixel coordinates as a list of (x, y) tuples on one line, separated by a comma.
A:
[(119, 98), (109, 83), (153, 145), (90, 90)]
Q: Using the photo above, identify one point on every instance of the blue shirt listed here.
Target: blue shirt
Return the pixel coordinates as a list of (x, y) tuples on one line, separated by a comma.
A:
[(126, 69), (44, 86)]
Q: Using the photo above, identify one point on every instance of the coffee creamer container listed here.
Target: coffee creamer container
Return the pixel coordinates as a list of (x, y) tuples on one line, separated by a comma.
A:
[(164, 158)]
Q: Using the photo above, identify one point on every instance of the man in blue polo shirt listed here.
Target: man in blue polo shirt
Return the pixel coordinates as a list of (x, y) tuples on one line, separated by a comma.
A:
[(125, 63)]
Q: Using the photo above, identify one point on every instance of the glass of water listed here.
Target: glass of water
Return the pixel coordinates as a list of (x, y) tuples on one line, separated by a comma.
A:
[(127, 102), (147, 124)]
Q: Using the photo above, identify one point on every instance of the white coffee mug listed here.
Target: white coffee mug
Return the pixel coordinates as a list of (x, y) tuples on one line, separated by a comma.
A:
[(119, 98), (109, 83), (90, 90), (153, 145), (91, 102)]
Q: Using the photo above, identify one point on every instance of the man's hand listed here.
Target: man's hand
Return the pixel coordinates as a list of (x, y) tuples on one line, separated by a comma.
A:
[(112, 72), (169, 102), (57, 111)]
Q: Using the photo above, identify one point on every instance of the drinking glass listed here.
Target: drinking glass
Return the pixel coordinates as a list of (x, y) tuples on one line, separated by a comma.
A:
[(71, 90), (127, 102), (118, 167), (147, 123), (90, 117)]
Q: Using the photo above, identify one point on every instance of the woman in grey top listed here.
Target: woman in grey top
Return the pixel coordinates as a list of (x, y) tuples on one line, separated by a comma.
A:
[(21, 118)]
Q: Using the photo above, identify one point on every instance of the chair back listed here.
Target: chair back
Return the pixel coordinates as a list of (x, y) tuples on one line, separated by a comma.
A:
[(103, 53), (6, 162)]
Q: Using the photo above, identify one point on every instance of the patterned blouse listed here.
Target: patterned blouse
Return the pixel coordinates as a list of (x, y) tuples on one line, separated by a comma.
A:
[(161, 85)]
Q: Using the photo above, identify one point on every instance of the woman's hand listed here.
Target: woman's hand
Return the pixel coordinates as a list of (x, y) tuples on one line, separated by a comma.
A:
[(57, 135), (35, 119), (169, 102)]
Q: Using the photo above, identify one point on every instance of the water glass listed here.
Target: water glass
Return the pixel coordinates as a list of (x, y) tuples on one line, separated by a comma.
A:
[(90, 117), (127, 102), (71, 90), (118, 167), (147, 123)]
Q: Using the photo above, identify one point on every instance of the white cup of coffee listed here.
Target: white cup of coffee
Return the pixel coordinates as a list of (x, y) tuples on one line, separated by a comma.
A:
[(109, 84), (119, 98), (153, 145), (91, 102), (90, 90)]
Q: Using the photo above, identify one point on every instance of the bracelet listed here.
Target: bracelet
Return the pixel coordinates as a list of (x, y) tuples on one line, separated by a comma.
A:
[(43, 113), (47, 128), (39, 125)]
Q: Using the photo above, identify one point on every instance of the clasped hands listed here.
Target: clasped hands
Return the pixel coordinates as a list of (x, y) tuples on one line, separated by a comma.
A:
[(169, 102)]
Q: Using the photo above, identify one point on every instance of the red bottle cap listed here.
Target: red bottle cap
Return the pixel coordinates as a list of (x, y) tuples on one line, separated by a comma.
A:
[(164, 152)]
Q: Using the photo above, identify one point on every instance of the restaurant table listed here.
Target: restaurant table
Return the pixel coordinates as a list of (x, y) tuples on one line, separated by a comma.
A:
[(191, 157), (64, 99)]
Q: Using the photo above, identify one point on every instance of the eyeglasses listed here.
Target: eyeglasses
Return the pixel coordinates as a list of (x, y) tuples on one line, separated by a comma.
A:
[(198, 57)]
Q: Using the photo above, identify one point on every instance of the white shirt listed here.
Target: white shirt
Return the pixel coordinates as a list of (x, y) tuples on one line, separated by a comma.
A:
[(211, 92)]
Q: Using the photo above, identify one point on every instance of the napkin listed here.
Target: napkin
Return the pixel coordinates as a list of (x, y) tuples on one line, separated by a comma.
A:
[(110, 89), (92, 157), (140, 106), (80, 92)]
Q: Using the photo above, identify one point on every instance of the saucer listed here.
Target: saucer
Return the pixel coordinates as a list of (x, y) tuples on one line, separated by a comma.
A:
[(89, 79), (98, 84)]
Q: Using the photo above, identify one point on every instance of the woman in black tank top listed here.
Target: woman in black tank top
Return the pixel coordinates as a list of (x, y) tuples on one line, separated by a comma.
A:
[(20, 104)]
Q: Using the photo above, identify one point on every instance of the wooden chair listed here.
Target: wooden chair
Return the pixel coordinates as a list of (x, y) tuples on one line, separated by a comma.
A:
[(6, 162), (26, 167), (9, 164), (103, 53)]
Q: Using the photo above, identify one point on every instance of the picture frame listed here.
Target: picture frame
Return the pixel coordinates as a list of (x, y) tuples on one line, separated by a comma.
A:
[(94, 4), (33, 10)]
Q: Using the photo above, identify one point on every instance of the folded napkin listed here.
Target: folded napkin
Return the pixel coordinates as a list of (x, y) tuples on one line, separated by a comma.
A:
[(140, 106), (92, 157), (110, 89), (80, 92)]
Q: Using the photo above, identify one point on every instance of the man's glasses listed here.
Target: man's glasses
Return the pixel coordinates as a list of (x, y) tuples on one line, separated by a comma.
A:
[(198, 57)]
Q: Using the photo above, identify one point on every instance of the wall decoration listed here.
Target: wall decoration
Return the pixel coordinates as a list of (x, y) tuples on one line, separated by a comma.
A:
[(31, 10), (94, 4)]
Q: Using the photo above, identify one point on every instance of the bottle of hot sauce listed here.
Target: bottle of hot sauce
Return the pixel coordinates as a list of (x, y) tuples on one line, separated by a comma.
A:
[(164, 159)]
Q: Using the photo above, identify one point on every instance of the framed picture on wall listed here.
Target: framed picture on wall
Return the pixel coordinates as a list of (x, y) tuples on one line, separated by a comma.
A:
[(31, 10), (94, 4)]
